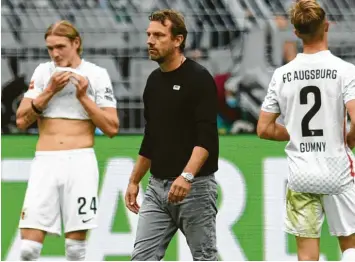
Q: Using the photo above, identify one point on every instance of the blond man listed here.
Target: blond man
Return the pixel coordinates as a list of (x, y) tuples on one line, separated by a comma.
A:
[(69, 97), (313, 93)]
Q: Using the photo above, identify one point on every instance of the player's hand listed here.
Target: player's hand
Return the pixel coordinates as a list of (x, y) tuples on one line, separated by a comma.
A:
[(179, 190), (58, 81), (131, 197), (81, 84)]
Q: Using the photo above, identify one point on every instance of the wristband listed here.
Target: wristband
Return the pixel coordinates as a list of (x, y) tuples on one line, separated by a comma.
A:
[(39, 112)]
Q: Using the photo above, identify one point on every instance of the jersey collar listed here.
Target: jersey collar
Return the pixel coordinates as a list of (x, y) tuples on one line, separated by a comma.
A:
[(315, 56)]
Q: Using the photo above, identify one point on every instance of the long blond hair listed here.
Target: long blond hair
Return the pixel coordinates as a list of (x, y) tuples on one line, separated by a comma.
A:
[(66, 29)]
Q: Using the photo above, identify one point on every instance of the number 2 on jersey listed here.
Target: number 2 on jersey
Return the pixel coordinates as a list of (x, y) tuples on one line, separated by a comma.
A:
[(312, 112)]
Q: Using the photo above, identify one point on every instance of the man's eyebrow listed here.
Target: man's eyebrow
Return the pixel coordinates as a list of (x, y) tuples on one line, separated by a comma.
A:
[(50, 46), (155, 32)]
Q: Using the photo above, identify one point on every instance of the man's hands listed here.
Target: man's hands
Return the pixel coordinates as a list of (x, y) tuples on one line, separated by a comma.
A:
[(81, 84), (58, 81), (131, 197), (179, 190)]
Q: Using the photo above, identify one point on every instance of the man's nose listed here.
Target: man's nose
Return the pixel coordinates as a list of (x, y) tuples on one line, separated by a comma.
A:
[(55, 53), (150, 41)]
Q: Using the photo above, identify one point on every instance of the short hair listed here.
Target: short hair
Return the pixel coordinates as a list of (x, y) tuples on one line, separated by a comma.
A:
[(307, 16), (66, 29), (178, 26)]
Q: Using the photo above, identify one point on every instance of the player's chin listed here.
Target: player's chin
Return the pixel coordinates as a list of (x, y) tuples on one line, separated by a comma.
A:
[(61, 63)]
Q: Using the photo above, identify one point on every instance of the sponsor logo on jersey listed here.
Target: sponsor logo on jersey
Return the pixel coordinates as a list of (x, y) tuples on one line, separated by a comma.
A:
[(108, 91)]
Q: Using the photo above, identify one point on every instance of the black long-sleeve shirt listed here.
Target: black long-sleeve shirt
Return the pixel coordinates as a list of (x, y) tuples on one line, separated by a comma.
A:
[(180, 109)]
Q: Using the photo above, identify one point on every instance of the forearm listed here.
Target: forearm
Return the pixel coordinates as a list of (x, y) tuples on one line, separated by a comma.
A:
[(107, 122), (26, 115), (275, 132), (140, 169), (198, 158), (350, 137), (351, 132)]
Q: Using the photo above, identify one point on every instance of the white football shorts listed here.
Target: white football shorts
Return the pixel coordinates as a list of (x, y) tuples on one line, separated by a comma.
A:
[(62, 184), (305, 213)]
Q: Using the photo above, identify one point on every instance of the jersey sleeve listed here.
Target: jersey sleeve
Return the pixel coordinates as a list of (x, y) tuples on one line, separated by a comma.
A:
[(349, 85), (104, 94), (271, 101), (36, 84)]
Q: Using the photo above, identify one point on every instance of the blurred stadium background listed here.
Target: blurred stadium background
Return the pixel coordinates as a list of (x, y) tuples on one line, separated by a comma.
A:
[(241, 42)]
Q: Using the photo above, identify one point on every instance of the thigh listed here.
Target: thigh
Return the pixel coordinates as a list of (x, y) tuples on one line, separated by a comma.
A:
[(155, 227), (41, 208), (304, 214), (340, 212), (80, 194), (197, 218)]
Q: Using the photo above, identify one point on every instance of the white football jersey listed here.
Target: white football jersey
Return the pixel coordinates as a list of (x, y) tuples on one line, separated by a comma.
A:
[(310, 93), (64, 104)]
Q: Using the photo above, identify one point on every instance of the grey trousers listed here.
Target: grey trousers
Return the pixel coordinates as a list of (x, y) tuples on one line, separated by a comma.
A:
[(195, 216)]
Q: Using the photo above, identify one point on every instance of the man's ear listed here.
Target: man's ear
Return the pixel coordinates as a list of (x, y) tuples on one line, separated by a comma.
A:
[(178, 40), (326, 26), (77, 42), (297, 33)]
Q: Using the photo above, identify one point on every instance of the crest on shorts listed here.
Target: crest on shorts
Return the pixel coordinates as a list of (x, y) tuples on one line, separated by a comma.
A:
[(23, 214)]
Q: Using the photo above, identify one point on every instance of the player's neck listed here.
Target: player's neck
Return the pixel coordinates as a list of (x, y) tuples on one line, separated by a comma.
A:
[(76, 62), (315, 47), (172, 62)]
